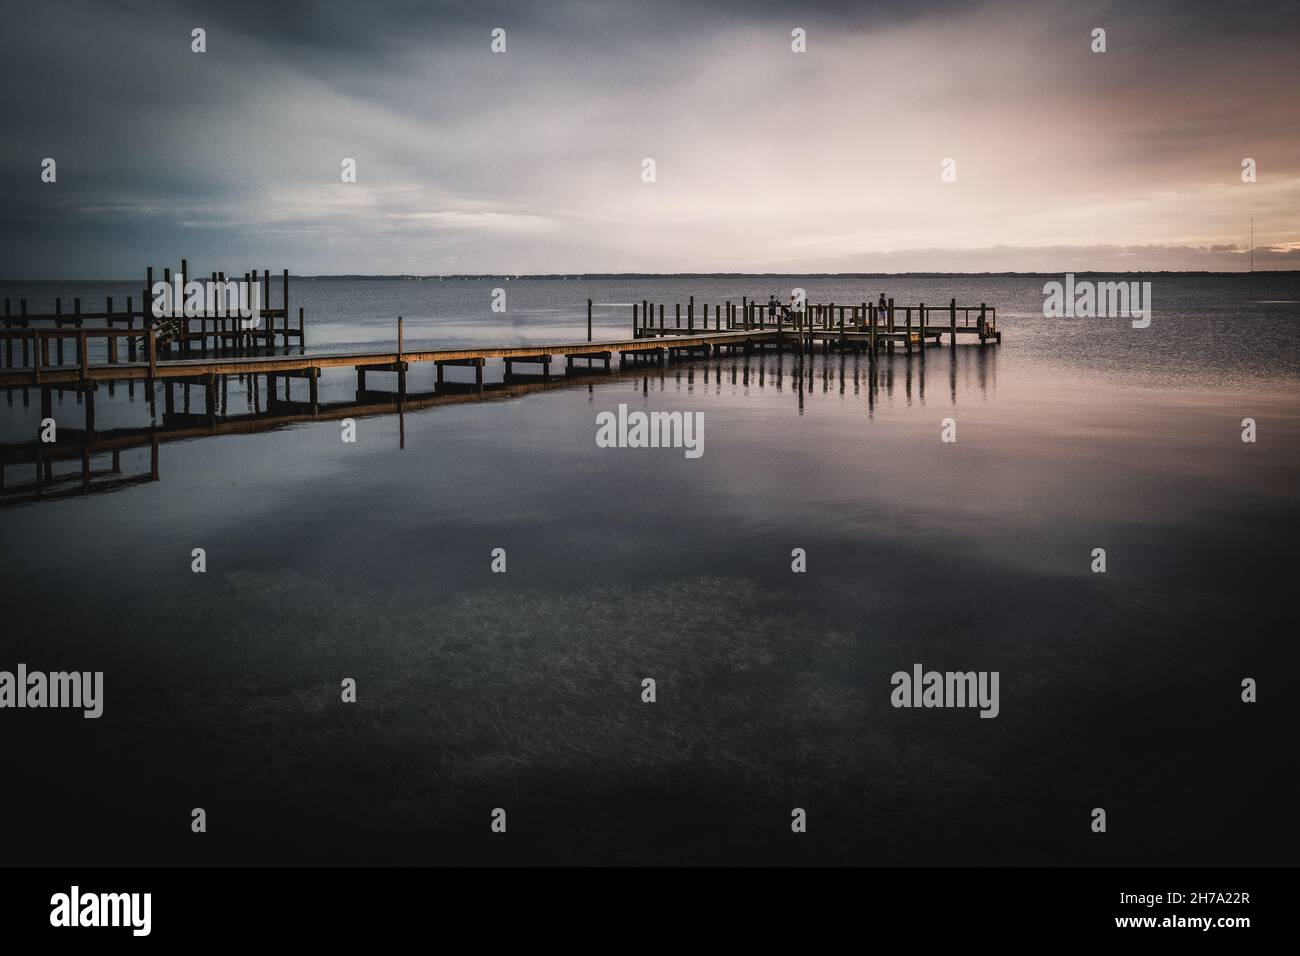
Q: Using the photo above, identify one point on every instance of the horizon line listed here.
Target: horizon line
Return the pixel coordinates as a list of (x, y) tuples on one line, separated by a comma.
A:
[(579, 276)]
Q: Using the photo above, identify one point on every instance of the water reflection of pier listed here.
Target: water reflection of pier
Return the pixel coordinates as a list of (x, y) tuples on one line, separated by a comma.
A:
[(269, 403)]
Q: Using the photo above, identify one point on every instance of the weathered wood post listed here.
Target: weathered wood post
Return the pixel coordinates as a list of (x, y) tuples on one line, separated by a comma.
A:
[(22, 310), (908, 331), (179, 320), (588, 320), (677, 318), (76, 310), (111, 340), (284, 295), (181, 317), (266, 301), (981, 325), (399, 340), (302, 341), (245, 335), (690, 315), (636, 332), (58, 324), (871, 329), (952, 323)]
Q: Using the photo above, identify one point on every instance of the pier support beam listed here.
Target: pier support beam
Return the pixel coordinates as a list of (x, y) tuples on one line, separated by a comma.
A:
[(543, 360)]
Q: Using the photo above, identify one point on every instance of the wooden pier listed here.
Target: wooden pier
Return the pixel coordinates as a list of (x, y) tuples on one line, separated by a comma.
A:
[(34, 355), (181, 335), (30, 469), (863, 328)]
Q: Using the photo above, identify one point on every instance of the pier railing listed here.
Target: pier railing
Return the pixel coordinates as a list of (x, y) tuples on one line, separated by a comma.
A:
[(905, 324), (213, 332), (748, 326)]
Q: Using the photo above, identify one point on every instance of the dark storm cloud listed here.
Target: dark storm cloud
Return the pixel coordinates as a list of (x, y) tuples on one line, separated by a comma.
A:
[(530, 162)]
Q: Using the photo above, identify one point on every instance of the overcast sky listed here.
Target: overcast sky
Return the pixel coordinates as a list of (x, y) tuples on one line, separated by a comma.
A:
[(530, 161)]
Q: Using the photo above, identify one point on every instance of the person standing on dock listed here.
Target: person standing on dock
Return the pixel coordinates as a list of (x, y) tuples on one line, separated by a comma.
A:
[(882, 309), (771, 307)]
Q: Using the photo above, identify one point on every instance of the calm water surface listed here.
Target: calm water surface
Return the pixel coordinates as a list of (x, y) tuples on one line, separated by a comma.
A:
[(522, 690)]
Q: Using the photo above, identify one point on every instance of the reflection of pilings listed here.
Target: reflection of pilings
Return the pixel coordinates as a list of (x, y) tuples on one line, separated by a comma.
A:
[(76, 444), (797, 372), (952, 376)]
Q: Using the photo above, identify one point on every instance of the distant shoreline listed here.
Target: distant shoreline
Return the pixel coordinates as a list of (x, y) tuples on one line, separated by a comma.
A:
[(616, 276)]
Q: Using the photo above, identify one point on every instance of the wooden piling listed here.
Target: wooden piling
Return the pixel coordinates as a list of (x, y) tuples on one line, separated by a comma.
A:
[(588, 320), (22, 308), (266, 302), (112, 342), (58, 324)]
